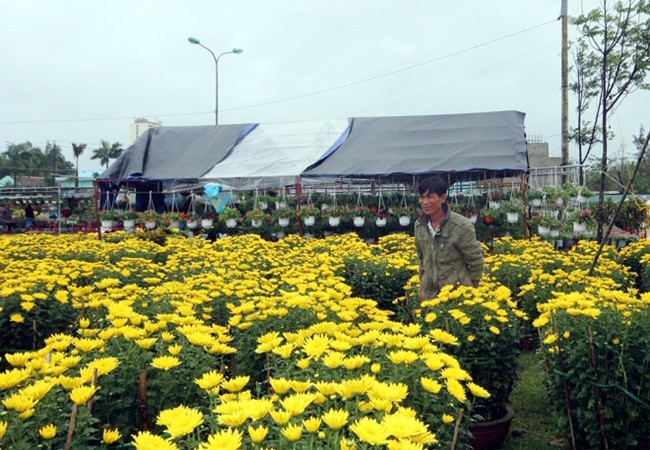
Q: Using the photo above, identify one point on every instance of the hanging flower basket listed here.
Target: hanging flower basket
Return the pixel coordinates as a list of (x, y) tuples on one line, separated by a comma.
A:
[(512, 217), (231, 223), (334, 221), (405, 221), (206, 223), (380, 221), (358, 221)]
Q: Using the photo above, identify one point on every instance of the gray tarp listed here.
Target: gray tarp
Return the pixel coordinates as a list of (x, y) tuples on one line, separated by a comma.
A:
[(493, 142), (176, 153)]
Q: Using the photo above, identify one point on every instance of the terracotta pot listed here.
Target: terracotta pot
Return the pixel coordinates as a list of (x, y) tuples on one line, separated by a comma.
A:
[(490, 435)]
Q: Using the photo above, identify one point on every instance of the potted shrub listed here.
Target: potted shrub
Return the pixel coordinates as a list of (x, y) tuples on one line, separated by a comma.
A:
[(257, 217), (486, 325), (308, 214), (582, 220), (230, 215), (191, 219), (149, 219), (283, 216), (534, 197), (333, 214), (171, 219), (107, 217), (404, 215), (513, 209), (359, 214), (128, 217)]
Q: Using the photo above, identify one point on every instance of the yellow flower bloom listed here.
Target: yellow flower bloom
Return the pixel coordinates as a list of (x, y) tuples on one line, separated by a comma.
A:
[(144, 440), (312, 424), (82, 394), (235, 384), (174, 349), (165, 362), (209, 380), (369, 430), (456, 389), (494, 330), (292, 432), (227, 439), (430, 385), (446, 418), (477, 391), (280, 416), (48, 431), (110, 435), (180, 421), (16, 318), (257, 434), (3, 428), (335, 418)]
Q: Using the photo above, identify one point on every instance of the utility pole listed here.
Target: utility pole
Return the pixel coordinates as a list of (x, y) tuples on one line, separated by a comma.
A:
[(565, 89)]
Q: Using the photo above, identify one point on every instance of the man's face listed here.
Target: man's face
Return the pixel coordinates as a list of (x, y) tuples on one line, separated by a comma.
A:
[(430, 202)]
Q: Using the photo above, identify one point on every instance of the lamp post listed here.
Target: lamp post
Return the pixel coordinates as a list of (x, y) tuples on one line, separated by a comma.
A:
[(236, 51)]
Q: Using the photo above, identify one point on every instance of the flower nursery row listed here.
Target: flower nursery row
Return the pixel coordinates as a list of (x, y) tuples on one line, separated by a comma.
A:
[(247, 343)]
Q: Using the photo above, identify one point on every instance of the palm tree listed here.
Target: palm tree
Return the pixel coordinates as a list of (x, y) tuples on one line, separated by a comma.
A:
[(77, 149), (107, 152)]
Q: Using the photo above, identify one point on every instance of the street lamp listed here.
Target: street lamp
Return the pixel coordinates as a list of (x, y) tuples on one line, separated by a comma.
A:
[(236, 51)]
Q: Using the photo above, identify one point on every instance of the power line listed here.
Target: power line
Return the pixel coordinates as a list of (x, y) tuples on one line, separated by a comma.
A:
[(296, 97)]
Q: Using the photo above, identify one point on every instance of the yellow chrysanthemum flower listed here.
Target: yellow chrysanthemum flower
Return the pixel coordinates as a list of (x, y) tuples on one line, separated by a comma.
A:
[(180, 421), (369, 430), (110, 435), (235, 384), (165, 362), (257, 434), (335, 418), (209, 380), (16, 318), (48, 431), (227, 439), (144, 440), (82, 394), (3, 428)]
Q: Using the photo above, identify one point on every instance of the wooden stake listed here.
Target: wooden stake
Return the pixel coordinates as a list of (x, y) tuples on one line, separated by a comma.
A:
[(73, 419), (459, 419), (144, 410)]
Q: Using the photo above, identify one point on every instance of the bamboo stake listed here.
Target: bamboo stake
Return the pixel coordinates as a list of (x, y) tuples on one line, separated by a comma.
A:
[(73, 419), (567, 403), (144, 410), (459, 419)]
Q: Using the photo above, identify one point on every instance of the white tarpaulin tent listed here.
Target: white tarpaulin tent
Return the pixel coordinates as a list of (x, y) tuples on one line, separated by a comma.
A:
[(275, 154)]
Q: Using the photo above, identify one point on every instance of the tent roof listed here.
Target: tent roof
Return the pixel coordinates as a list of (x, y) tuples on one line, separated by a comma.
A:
[(416, 145), (176, 153), (274, 155)]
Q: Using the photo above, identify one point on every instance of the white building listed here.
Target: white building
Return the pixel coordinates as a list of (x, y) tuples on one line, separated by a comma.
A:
[(140, 126)]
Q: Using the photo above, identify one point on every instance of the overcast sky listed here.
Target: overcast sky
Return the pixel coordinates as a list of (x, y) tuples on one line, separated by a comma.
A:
[(82, 70)]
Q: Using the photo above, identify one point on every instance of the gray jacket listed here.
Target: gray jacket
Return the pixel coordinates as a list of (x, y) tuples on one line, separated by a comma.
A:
[(453, 257)]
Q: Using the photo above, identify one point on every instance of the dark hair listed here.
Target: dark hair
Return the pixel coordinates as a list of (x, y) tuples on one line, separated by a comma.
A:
[(432, 185)]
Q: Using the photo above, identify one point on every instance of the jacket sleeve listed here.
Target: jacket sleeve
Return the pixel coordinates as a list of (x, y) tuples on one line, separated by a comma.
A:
[(472, 252)]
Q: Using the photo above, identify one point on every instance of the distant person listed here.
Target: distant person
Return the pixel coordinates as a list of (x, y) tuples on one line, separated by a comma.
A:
[(29, 216), (445, 242), (8, 218)]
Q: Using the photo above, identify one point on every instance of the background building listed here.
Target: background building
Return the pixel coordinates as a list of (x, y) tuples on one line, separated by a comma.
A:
[(140, 126)]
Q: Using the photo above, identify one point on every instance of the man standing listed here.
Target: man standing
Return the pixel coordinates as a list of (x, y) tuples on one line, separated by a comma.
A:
[(29, 216), (445, 242)]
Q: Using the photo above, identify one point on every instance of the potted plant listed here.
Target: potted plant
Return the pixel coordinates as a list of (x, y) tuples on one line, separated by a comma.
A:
[(582, 220), (359, 214), (333, 215), (106, 217), (191, 219), (230, 215), (257, 217), (485, 323), (149, 218), (308, 214), (490, 215), (534, 197), (283, 216), (404, 215), (171, 219), (513, 208), (128, 217)]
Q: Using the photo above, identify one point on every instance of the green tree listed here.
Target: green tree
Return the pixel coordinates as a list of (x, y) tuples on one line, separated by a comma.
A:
[(77, 150), (107, 152), (18, 160), (617, 36)]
